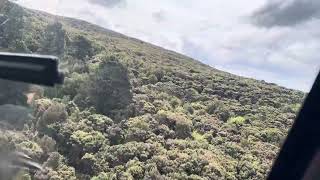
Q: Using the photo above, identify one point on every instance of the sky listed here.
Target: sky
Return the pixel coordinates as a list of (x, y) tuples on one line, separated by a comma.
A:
[(273, 40)]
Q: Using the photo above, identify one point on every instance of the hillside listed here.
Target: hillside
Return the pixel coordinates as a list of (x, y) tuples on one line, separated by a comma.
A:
[(132, 110)]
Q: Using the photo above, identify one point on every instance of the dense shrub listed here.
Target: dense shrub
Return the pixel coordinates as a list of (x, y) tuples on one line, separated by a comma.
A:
[(130, 110)]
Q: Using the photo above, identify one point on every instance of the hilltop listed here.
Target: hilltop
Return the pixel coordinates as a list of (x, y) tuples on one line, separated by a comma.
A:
[(132, 110)]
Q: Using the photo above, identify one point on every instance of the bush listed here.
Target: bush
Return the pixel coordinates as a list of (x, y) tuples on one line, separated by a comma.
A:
[(237, 121), (272, 135), (175, 102), (31, 148), (54, 160), (249, 168), (104, 176), (233, 149), (138, 129), (56, 113), (88, 163), (89, 141), (47, 144), (135, 168), (220, 109), (98, 122), (73, 84), (188, 108), (212, 107), (183, 126), (153, 79), (198, 137)]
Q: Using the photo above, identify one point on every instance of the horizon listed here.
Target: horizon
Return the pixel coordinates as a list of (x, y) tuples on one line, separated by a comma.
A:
[(251, 43)]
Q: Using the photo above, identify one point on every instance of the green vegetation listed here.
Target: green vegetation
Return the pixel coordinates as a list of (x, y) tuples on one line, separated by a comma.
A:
[(131, 110)]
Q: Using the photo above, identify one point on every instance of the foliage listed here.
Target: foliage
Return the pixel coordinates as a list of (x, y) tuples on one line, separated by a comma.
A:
[(131, 110)]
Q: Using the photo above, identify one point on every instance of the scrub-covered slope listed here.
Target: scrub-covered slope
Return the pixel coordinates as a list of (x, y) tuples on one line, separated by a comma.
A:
[(132, 110)]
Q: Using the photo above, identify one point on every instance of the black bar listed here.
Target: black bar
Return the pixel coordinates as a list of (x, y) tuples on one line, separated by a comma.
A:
[(36, 69)]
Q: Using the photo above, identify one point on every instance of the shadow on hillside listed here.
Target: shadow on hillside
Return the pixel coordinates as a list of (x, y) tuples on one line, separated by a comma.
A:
[(108, 89)]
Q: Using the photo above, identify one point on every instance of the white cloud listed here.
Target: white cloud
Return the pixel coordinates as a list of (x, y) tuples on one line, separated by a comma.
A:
[(216, 32)]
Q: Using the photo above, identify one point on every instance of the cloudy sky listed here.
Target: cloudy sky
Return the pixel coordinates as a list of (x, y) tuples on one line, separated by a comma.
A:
[(274, 40)]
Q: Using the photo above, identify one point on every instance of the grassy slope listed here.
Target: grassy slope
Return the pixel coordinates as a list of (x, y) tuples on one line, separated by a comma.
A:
[(184, 119)]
